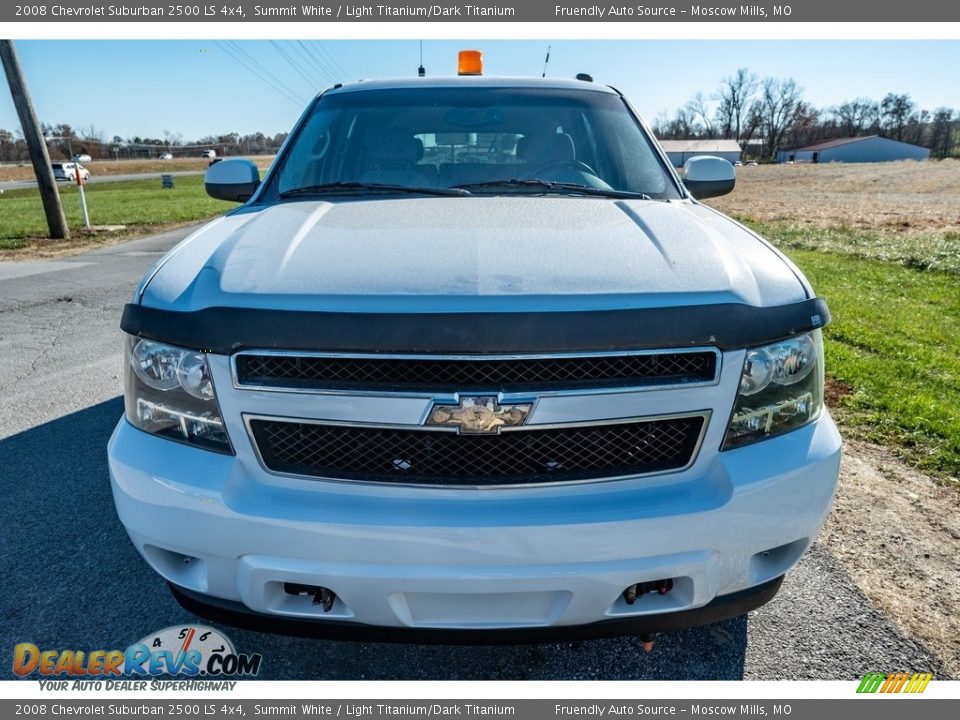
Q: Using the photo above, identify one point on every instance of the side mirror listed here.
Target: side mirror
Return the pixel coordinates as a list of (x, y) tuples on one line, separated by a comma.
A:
[(706, 176), (234, 180)]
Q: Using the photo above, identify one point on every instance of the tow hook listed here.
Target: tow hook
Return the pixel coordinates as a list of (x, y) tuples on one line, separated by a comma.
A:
[(647, 641), (638, 590), (322, 596), (325, 598)]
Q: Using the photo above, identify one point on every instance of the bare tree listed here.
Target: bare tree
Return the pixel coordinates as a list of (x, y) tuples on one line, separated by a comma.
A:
[(92, 133), (660, 123), (8, 144), (698, 110), (942, 132), (735, 97), (679, 127), (752, 125), (856, 117), (804, 126), (915, 129), (895, 111), (172, 138), (779, 100)]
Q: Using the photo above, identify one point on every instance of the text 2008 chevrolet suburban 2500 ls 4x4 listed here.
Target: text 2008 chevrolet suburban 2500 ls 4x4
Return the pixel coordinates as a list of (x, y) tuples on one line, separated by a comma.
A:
[(472, 362)]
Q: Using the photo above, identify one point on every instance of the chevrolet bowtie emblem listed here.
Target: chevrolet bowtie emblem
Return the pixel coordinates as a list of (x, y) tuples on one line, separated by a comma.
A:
[(479, 415)]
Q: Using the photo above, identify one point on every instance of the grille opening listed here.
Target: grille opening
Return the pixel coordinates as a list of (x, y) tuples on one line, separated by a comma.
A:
[(496, 374), (529, 456)]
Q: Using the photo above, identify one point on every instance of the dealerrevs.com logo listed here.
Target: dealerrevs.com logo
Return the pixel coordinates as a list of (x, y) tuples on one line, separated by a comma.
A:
[(191, 651)]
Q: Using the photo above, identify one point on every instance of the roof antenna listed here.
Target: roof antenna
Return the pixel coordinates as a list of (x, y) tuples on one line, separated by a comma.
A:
[(421, 71), (546, 62)]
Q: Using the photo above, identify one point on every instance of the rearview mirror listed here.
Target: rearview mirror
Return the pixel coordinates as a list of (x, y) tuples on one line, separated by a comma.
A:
[(234, 180), (706, 176)]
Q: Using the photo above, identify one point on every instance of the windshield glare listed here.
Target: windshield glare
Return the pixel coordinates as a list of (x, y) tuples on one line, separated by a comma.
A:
[(462, 137)]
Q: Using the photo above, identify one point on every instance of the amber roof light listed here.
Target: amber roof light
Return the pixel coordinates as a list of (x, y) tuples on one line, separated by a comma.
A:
[(470, 62)]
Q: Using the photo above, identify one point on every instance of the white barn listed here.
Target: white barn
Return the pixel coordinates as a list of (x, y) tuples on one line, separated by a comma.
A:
[(679, 151), (871, 148)]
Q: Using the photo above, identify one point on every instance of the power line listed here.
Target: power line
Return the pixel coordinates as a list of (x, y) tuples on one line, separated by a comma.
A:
[(336, 63), (327, 59), (275, 85), (312, 61), (234, 54), (265, 70), (305, 57), (332, 72), (311, 81)]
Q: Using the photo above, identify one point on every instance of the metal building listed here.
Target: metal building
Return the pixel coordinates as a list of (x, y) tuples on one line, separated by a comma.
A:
[(679, 151), (870, 148)]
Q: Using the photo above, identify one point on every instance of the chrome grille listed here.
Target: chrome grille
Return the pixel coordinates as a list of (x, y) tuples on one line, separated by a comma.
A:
[(526, 456), (472, 374)]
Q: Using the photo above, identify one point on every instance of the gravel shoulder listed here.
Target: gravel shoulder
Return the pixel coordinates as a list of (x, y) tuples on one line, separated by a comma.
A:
[(896, 533)]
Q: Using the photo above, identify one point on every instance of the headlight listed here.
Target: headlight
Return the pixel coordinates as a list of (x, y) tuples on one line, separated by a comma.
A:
[(169, 392), (781, 388)]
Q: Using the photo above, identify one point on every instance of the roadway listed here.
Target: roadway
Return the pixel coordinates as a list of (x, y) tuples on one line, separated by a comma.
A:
[(96, 179)]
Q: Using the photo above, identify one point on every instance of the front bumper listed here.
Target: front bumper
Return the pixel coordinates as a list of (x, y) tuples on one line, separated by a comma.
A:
[(236, 614), (229, 535)]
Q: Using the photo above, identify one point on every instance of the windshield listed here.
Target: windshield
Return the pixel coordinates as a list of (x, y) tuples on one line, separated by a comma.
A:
[(484, 139)]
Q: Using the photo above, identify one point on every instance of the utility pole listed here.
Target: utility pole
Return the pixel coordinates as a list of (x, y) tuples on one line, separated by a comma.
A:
[(36, 145)]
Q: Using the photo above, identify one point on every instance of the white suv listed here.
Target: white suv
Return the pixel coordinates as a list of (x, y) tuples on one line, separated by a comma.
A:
[(472, 361), (69, 170)]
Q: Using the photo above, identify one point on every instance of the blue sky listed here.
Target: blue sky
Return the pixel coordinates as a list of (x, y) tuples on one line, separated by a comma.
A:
[(197, 87)]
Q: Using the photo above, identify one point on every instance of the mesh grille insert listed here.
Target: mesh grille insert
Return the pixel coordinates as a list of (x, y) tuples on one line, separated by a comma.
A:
[(475, 374), (447, 458)]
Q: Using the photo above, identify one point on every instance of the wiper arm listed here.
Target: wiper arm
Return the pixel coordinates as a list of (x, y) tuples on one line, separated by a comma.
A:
[(353, 187), (552, 186)]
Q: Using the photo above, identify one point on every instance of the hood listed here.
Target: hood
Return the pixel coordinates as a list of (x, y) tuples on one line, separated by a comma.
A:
[(471, 254)]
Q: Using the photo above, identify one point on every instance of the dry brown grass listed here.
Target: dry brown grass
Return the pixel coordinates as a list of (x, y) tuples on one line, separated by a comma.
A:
[(84, 240), (101, 168), (896, 196)]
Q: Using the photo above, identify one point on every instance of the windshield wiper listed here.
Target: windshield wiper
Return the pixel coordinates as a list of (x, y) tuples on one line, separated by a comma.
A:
[(353, 187), (551, 186)]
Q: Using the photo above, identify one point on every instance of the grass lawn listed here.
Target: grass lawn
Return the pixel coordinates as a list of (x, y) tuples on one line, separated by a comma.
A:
[(893, 354), (136, 204), (926, 249)]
